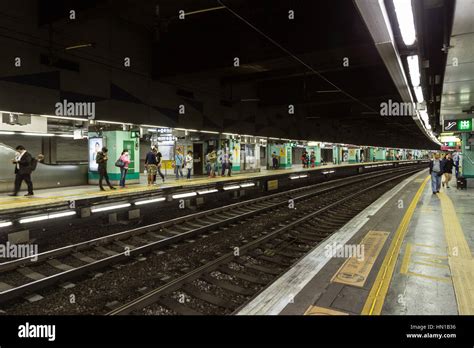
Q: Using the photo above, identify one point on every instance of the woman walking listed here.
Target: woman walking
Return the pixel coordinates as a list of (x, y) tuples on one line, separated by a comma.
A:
[(447, 165), (125, 159)]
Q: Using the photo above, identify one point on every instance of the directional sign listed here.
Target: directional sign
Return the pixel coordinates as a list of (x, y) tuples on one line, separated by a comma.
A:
[(450, 125), (464, 125)]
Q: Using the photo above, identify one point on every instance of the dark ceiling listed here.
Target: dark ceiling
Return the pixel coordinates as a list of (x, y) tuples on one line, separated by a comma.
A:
[(298, 62)]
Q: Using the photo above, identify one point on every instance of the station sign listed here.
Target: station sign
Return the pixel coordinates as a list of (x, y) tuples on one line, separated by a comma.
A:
[(464, 125), (165, 135)]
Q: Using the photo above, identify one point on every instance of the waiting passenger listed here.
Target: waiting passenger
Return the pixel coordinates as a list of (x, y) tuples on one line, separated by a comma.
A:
[(208, 163), (274, 160), (226, 162), (456, 162), (101, 160), (213, 163), (151, 166), (313, 159), (24, 164), (178, 164), (304, 159), (436, 172), (124, 163), (447, 165), (189, 164)]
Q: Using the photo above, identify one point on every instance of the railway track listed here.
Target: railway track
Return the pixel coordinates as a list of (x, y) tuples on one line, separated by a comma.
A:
[(225, 284), (59, 265)]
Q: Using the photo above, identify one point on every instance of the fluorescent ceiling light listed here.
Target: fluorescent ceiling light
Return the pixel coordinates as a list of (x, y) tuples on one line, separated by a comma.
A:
[(66, 118), (38, 134), (66, 135), (210, 132), (33, 219), (7, 133), (414, 69), (148, 201), (232, 187), (113, 122), (152, 126), (62, 214), (184, 195), (110, 207), (5, 224), (419, 94), (248, 184), (47, 217), (205, 192), (406, 21)]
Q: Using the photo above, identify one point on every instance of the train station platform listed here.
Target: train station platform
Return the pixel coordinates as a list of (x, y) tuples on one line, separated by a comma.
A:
[(51, 196), (410, 252)]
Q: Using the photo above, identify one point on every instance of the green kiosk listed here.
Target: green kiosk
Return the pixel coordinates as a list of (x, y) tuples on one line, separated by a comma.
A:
[(116, 142)]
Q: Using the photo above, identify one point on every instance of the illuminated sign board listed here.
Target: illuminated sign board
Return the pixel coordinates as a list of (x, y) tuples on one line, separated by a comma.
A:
[(464, 125)]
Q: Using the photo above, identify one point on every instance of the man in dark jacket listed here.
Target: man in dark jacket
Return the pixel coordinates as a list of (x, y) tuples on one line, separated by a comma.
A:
[(101, 160), (23, 168), (447, 164)]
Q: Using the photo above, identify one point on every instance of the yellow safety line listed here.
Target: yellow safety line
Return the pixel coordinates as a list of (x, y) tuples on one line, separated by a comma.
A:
[(431, 265), (438, 279), (406, 259), (460, 258), (376, 298)]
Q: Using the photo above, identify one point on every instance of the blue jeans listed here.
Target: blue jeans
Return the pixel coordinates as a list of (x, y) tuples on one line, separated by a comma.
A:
[(179, 171), (123, 175), (189, 173), (435, 182)]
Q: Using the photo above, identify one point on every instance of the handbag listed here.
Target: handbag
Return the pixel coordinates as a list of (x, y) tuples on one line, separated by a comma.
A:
[(119, 163)]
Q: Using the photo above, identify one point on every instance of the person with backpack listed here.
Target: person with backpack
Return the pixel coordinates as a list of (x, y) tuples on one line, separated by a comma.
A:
[(101, 159), (123, 163), (24, 166)]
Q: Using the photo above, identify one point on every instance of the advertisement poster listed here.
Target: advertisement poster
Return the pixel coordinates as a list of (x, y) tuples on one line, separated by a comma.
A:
[(95, 145)]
